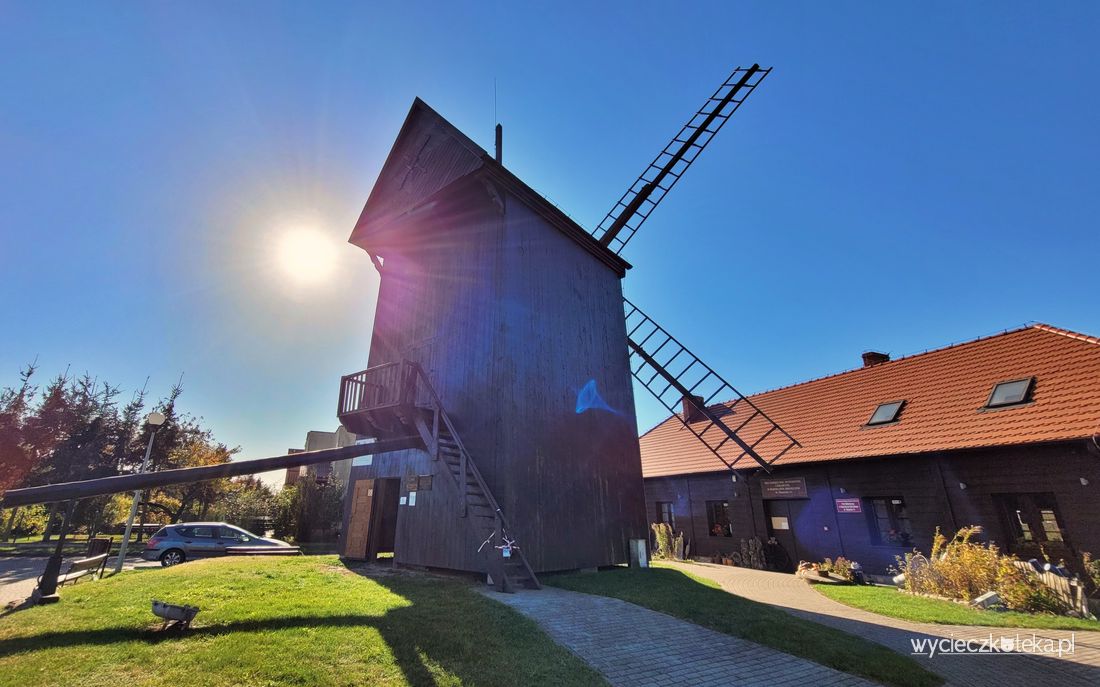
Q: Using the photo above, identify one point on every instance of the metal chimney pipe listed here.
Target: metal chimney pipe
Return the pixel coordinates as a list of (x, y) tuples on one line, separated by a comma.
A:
[(500, 143)]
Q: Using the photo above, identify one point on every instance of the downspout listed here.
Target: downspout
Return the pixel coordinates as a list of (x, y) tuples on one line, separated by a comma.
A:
[(946, 496), (832, 506)]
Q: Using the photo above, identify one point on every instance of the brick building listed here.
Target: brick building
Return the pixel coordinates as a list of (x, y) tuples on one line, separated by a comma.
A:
[(1000, 432)]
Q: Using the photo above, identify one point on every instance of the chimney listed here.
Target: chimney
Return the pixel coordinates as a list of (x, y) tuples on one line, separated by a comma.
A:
[(875, 358), (500, 143), (691, 410)]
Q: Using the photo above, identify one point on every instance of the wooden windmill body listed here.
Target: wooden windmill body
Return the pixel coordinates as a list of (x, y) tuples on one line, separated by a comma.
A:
[(514, 313), (502, 341)]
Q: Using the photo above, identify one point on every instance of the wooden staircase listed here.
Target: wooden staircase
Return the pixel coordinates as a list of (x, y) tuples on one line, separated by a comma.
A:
[(479, 506), (395, 397)]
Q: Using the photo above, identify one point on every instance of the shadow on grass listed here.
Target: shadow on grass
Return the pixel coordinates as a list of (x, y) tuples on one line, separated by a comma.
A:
[(445, 626)]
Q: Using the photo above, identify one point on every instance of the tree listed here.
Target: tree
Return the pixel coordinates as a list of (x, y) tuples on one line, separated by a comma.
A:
[(15, 458), (248, 503), (288, 511), (74, 429)]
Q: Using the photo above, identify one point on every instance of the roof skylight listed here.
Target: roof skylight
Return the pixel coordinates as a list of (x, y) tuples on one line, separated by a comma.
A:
[(886, 412), (1010, 393)]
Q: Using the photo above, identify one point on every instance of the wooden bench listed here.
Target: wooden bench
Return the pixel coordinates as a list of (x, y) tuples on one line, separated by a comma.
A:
[(263, 551), (93, 565)]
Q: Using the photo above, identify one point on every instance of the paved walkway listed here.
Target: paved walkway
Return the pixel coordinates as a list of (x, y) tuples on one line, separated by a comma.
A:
[(994, 670), (636, 647), (19, 574)]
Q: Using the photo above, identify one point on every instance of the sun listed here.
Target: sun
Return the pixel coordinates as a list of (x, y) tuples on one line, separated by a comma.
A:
[(307, 256)]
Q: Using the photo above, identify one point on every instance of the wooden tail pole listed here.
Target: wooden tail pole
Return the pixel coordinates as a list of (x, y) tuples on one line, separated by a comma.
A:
[(52, 493)]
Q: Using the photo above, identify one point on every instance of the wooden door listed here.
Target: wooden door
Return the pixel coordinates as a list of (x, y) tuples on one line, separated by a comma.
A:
[(359, 523), (781, 517), (383, 532)]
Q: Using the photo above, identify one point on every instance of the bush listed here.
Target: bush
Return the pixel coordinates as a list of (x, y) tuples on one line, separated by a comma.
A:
[(1092, 573), (30, 521), (669, 546), (963, 569), (842, 568)]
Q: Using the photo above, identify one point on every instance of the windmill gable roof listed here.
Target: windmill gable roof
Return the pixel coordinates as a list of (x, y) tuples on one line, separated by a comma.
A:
[(429, 156), (945, 393)]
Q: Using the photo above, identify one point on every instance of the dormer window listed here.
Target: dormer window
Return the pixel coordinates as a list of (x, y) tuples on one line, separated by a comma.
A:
[(1011, 393), (886, 413)]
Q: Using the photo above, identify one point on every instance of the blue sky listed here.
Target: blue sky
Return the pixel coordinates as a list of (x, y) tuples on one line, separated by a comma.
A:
[(909, 176)]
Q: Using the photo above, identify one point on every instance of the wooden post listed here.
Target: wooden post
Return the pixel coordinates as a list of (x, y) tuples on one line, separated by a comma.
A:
[(464, 485), (496, 559), (46, 591), (435, 430)]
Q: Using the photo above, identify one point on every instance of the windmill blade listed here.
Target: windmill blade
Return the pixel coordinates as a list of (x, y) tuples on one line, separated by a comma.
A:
[(731, 426), (620, 224)]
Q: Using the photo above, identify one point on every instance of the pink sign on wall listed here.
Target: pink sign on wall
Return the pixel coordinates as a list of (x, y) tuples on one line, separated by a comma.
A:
[(849, 506)]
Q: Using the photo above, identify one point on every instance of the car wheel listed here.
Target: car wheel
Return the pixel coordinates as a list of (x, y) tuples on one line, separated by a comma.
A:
[(172, 557)]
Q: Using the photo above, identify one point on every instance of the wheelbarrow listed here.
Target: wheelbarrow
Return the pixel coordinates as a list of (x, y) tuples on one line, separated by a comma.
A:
[(171, 613)]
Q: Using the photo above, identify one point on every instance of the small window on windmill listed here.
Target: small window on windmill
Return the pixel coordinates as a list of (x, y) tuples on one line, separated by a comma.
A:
[(886, 413), (1011, 393), (424, 483)]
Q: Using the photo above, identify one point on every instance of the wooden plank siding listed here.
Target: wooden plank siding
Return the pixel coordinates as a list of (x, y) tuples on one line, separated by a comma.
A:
[(511, 318), (928, 484)]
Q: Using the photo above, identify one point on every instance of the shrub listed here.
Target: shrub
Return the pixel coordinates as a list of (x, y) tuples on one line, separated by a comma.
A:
[(662, 534), (963, 569), (1092, 573), (842, 568), (29, 521)]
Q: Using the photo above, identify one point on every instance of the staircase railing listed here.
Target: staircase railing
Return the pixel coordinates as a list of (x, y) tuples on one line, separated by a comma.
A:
[(372, 388), (467, 466)]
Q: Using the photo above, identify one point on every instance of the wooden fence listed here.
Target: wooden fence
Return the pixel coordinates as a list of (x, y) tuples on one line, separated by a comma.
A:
[(1068, 589)]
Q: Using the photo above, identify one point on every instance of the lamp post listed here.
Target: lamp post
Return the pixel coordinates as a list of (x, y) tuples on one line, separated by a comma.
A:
[(156, 420)]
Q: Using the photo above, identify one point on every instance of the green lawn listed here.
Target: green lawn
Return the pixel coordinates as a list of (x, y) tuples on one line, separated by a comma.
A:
[(889, 601), (700, 601), (280, 621)]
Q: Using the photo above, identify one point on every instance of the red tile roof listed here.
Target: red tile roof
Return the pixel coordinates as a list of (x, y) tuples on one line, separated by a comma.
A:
[(944, 390)]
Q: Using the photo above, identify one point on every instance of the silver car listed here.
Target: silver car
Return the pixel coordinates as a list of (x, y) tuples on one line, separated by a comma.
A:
[(175, 544)]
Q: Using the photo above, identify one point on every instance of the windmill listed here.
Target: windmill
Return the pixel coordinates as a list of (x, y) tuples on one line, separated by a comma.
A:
[(503, 349), (482, 447), (720, 416)]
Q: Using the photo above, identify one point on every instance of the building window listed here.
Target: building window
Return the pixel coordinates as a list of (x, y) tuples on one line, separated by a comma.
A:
[(718, 519), (665, 515), (1010, 393), (889, 521), (886, 412), (1030, 518)]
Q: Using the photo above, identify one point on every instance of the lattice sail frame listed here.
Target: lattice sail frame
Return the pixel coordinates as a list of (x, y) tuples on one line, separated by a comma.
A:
[(730, 425), (643, 196)]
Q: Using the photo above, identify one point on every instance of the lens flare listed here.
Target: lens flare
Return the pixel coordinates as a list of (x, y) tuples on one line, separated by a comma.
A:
[(306, 255), (588, 398)]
